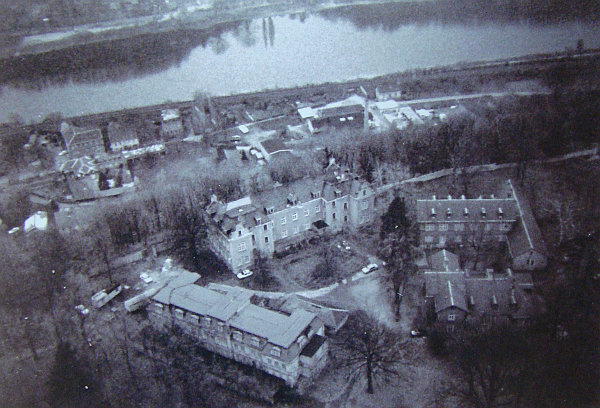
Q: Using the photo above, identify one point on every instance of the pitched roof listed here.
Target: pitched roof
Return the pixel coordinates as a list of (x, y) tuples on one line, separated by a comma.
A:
[(479, 209), (278, 328), (81, 166), (74, 135), (118, 133), (447, 288), (498, 296), (526, 236), (444, 261), (274, 146)]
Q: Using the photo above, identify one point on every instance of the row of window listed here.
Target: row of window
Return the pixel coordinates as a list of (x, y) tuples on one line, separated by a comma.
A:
[(461, 227), (284, 233), (295, 215)]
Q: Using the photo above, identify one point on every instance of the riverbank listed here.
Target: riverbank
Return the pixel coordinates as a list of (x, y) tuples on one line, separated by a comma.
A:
[(189, 18)]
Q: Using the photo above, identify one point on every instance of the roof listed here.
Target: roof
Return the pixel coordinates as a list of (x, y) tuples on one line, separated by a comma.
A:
[(527, 235), (333, 318), (444, 261), (307, 112), (75, 135), (498, 296), (278, 328), (80, 167), (182, 293), (447, 288), (273, 146), (118, 133), (170, 114), (456, 210), (38, 221)]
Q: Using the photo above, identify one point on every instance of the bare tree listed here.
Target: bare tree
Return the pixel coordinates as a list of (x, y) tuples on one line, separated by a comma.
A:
[(365, 345)]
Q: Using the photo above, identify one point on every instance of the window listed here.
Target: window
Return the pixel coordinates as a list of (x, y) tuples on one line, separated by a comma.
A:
[(459, 227), (241, 246), (158, 307), (296, 229), (239, 233), (364, 192), (451, 317), (315, 194), (237, 336), (489, 227), (265, 227), (276, 351), (179, 313), (255, 341), (429, 227), (284, 234), (333, 216), (207, 320), (345, 206), (333, 204), (220, 326), (443, 227), (364, 204), (266, 240), (306, 212), (317, 208), (345, 218), (283, 221), (428, 239), (270, 210), (240, 261), (307, 226), (294, 216)]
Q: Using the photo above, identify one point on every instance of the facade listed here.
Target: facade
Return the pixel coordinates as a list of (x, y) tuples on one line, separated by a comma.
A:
[(82, 142), (463, 221), (121, 138), (454, 297), (224, 320), (285, 215), (171, 124)]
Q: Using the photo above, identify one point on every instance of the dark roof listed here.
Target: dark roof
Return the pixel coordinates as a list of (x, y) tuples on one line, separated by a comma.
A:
[(479, 209), (526, 236), (273, 146), (118, 133), (444, 261), (341, 111), (498, 296), (447, 288), (313, 345)]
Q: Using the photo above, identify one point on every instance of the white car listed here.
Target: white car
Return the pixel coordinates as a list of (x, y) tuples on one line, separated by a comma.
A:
[(146, 278), (244, 274), (369, 268)]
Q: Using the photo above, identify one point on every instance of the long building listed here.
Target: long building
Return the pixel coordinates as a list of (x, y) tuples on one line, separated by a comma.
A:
[(284, 215), (224, 320), (475, 221)]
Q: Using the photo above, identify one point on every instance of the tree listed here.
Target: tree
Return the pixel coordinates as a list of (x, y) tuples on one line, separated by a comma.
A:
[(328, 266), (263, 277), (397, 248), (368, 346)]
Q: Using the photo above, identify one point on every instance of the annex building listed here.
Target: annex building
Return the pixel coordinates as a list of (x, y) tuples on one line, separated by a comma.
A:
[(285, 215), (224, 320)]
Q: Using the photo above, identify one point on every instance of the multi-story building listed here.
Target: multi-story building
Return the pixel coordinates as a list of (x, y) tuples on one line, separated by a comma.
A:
[(224, 320), (287, 214), (463, 221), (82, 142)]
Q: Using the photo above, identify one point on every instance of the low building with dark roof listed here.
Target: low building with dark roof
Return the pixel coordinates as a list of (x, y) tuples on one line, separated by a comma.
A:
[(286, 345), (277, 218), (454, 297)]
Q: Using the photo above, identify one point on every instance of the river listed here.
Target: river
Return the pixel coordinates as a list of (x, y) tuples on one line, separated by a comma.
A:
[(267, 53)]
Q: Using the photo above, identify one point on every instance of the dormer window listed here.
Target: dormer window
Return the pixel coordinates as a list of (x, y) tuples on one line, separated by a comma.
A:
[(433, 214), (270, 210), (315, 194), (466, 212), (483, 212), (500, 213), (494, 302), (338, 194), (448, 213), (276, 351)]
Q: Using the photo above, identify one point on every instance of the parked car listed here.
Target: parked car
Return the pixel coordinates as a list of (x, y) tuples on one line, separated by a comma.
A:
[(146, 278), (244, 274), (418, 333), (369, 268)]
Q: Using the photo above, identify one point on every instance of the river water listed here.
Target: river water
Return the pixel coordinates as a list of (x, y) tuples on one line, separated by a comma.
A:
[(274, 53)]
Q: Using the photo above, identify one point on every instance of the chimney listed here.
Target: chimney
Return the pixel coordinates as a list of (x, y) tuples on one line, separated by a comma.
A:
[(433, 198), (462, 197)]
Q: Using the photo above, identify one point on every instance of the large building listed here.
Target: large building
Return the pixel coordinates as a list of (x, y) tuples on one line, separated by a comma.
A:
[(224, 320), (507, 217), (82, 142), (277, 218)]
